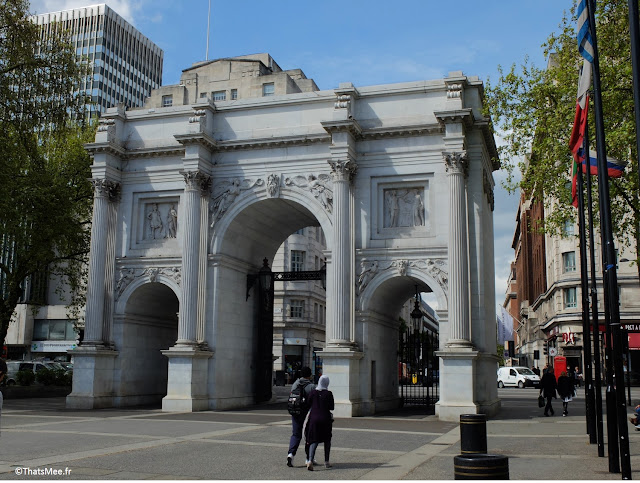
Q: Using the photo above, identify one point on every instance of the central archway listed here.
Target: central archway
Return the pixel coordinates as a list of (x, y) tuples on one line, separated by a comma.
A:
[(252, 230)]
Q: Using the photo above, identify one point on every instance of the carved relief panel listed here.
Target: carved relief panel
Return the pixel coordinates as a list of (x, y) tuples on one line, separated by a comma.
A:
[(156, 220), (402, 207)]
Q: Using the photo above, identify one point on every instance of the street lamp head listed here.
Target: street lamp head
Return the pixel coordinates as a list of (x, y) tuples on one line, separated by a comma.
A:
[(416, 313), (265, 275), (323, 275)]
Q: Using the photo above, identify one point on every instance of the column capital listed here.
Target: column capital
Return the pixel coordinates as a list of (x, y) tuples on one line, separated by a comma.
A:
[(196, 181), (105, 188), (456, 162), (343, 170)]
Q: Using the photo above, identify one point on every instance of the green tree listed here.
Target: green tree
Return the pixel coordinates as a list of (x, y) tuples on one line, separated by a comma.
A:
[(45, 195), (533, 108)]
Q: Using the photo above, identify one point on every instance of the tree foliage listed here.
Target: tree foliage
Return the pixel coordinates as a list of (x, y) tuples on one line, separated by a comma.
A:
[(534, 109), (45, 195)]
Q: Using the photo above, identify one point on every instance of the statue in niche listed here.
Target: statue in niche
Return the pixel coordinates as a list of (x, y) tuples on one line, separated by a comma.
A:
[(418, 210), (367, 272), (172, 222), (225, 194), (155, 221)]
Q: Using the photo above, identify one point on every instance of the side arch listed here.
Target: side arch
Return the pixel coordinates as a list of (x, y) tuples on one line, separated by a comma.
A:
[(123, 300), (370, 302)]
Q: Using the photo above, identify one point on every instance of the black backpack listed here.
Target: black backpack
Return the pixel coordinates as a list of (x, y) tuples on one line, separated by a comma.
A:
[(297, 403)]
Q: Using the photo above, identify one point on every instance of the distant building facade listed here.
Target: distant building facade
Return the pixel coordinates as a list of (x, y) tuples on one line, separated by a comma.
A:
[(548, 292), (125, 65)]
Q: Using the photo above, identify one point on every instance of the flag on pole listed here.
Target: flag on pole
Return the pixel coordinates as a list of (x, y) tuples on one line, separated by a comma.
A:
[(585, 47), (585, 43), (505, 326), (615, 167)]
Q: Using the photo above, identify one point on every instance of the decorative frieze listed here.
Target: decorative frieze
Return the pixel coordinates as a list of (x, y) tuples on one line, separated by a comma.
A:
[(320, 187), (435, 268), (127, 275), (225, 193), (273, 185)]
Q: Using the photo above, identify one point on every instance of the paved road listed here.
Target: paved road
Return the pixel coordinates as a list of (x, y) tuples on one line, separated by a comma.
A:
[(41, 435)]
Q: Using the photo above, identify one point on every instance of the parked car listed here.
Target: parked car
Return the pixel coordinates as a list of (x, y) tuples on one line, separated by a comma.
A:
[(14, 366), (517, 376)]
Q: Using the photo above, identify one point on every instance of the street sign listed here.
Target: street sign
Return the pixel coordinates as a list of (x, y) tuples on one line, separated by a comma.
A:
[(553, 351)]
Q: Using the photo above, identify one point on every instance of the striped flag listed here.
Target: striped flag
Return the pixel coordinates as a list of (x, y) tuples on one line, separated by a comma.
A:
[(585, 47), (585, 44), (615, 167)]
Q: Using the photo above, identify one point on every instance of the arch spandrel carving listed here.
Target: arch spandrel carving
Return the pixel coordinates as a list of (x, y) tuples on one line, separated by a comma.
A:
[(137, 277)]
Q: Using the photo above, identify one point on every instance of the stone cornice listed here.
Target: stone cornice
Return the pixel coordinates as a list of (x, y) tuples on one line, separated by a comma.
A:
[(402, 131), (348, 125), (109, 148), (464, 116), (273, 142), (200, 138)]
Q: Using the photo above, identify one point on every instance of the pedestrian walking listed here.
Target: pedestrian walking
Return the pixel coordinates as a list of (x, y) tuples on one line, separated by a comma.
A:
[(320, 422), (302, 387), (548, 389), (566, 390)]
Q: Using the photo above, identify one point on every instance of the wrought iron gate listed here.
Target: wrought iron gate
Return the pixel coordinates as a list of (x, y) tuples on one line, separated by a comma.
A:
[(418, 372)]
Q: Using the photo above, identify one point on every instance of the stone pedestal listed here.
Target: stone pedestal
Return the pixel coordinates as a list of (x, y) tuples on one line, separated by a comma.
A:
[(457, 384), (187, 380), (93, 369), (342, 365)]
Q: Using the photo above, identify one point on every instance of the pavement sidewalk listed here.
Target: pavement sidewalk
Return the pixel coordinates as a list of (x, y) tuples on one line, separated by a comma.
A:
[(39, 436)]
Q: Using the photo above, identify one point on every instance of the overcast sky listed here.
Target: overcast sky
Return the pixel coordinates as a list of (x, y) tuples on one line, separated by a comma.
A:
[(365, 42)]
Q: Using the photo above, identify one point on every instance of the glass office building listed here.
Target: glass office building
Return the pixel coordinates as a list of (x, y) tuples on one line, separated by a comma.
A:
[(126, 65)]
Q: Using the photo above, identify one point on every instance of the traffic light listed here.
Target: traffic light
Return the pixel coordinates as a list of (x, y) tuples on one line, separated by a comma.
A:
[(544, 347)]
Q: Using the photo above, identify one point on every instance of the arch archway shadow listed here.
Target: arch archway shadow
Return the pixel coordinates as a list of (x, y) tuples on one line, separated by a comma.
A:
[(147, 326)]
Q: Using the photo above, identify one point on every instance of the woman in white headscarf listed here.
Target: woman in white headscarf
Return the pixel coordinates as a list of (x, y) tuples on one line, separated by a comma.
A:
[(320, 421)]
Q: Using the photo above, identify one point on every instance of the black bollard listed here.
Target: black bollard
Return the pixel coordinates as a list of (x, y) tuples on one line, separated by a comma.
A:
[(473, 433), (481, 467)]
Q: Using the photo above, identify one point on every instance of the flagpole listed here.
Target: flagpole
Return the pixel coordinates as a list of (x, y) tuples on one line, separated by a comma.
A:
[(594, 316), (586, 331), (609, 272), (208, 30), (634, 31)]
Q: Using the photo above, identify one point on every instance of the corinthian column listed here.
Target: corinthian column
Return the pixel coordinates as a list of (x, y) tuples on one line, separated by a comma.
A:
[(342, 172), (100, 228), (195, 184), (459, 318)]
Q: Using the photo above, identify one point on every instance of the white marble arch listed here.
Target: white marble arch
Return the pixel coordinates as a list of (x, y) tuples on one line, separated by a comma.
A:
[(264, 223), (377, 329), (145, 324)]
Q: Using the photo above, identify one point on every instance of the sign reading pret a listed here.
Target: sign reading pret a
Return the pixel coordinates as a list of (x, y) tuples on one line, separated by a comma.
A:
[(631, 327)]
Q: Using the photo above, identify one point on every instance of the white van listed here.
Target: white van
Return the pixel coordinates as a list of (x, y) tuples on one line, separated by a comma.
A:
[(517, 376)]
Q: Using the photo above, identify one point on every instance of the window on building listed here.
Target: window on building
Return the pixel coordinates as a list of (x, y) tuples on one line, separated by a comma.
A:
[(167, 101), (569, 295), (568, 228), (297, 308), (203, 95), (53, 329), (300, 232), (268, 89), (569, 262), (297, 260), (220, 96), (234, 94)]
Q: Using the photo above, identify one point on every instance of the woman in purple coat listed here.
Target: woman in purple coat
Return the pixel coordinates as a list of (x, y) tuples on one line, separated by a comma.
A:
[(320, 421)]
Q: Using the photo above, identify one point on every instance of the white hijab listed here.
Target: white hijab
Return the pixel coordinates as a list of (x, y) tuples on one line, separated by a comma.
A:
[(323, 383)]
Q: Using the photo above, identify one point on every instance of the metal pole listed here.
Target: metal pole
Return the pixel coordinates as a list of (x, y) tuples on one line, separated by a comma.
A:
[(208, 29), (594, 319), (634, 31), (608, 248), (586, 331)]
